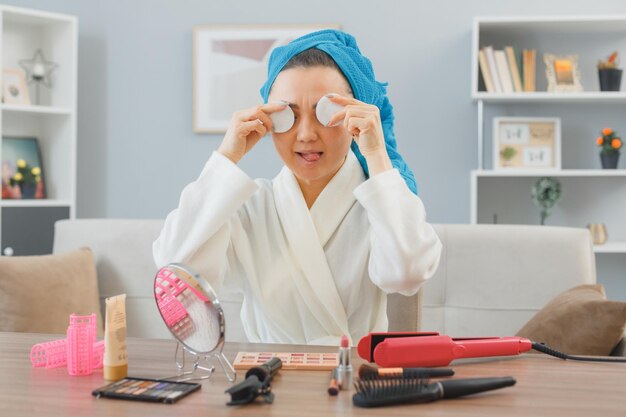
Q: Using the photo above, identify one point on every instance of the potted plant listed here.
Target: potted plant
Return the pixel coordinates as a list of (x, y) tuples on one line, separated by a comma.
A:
[(610, 145), (546, 193), (610, 76)]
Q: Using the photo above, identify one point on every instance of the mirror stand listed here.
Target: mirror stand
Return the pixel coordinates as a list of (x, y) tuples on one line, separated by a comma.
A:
[(199, 371), (227, 367)]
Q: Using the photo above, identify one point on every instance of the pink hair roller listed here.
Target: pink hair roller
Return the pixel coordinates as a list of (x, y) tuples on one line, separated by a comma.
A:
[(49, 354), (98, 354), (54, 354), (81, 336)]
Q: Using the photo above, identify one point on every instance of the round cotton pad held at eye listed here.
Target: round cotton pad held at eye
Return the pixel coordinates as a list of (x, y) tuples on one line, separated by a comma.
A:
[(282, 120), (326, 109)]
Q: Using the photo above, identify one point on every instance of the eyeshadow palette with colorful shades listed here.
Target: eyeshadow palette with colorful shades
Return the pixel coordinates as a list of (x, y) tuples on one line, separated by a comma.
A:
[(145, 389), (291, 360)]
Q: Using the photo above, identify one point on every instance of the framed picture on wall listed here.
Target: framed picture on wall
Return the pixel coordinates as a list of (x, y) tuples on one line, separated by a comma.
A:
[(230, 66), (22, 170), (526, 143), (14, 88)]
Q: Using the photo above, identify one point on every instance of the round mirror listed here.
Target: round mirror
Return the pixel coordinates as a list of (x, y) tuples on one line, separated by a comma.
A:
[(191, 311)]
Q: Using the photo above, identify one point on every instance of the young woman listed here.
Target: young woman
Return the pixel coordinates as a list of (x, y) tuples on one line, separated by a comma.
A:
[(315, 250)]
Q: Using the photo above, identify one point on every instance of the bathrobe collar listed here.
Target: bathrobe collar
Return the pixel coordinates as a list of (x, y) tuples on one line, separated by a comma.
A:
[(307, 233)]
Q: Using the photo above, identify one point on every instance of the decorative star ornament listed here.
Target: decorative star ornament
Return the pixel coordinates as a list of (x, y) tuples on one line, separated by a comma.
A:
[(38, 69)]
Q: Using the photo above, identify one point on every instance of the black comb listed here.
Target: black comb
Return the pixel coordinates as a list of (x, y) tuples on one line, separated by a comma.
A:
[(381, 392)]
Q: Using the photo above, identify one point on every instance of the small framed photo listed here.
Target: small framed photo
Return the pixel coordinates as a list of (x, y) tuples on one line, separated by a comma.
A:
[(22, 169), (563, 73), (14, 88), (526, 143), (230, 66)]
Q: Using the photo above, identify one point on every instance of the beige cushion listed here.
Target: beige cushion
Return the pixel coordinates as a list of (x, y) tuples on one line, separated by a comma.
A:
[(38, 293), (580, 321)]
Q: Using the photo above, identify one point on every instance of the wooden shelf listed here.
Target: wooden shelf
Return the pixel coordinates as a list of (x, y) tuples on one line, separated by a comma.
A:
[(600, 24), (35, 203), (36, 109), (543, 96), (550, 173), (610, 247)]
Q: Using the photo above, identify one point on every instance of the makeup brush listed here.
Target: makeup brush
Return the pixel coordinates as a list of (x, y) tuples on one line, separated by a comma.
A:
[(380, 392), (368, 371), (333, 386)]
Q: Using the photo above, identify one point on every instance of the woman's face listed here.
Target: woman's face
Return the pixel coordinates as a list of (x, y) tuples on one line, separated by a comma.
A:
[(313, 152)]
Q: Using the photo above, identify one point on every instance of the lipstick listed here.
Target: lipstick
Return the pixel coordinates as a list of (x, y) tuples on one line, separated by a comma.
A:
[(344, 369)]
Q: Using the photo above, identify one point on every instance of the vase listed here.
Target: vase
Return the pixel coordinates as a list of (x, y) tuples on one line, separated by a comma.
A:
[(598, 233), (609, 160), (610, 79), (28, 190)]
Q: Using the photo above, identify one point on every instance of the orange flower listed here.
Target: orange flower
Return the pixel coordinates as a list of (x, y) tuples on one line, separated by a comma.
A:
[(600, 140), (607, 131), (616, 143)]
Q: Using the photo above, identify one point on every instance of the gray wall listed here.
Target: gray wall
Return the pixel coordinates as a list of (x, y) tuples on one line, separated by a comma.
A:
[(136, 146)]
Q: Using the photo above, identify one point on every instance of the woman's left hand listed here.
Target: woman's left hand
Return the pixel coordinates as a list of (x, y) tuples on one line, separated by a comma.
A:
[(363, 121)]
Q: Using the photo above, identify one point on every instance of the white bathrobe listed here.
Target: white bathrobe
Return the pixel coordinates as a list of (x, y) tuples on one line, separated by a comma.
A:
[(307, 276)]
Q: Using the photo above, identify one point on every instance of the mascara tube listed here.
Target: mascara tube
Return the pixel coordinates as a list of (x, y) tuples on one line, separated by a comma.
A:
[(344, 369)]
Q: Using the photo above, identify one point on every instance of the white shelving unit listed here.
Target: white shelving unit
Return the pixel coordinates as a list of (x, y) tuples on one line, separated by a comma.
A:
[(24, 223), (600, 195)]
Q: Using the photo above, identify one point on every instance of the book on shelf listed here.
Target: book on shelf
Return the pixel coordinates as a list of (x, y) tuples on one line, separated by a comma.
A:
[(484, 71), (513, 61), (493, 69), (506, 71), (503, 71), (528, 59)]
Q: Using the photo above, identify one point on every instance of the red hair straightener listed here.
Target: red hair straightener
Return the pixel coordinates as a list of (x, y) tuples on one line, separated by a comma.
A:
[(412, 349), (429, 349)]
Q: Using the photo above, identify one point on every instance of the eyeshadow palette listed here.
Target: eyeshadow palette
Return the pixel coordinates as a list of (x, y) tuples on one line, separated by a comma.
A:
[(291, 360), (144, 389)]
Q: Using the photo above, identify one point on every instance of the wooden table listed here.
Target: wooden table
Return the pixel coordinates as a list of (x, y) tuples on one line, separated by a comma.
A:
[(545, 387)]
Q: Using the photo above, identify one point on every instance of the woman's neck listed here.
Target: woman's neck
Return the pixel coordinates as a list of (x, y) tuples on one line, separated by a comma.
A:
[(313, 188)]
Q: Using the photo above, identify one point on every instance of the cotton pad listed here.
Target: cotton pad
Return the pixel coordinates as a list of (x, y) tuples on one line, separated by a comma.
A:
[(326, 109), (282, 120)]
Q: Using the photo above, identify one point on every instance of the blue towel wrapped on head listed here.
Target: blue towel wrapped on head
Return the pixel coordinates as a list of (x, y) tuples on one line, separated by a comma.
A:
[(358, 70)]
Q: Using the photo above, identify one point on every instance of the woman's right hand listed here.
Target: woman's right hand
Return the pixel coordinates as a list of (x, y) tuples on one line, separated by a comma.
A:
[(246, 128)]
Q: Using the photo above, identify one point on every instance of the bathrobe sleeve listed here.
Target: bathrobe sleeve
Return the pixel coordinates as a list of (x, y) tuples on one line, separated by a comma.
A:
[(405, 249), (198, 232)]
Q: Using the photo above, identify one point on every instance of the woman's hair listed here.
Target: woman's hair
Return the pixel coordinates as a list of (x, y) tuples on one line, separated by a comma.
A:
[(311, 58), (314, 58)]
